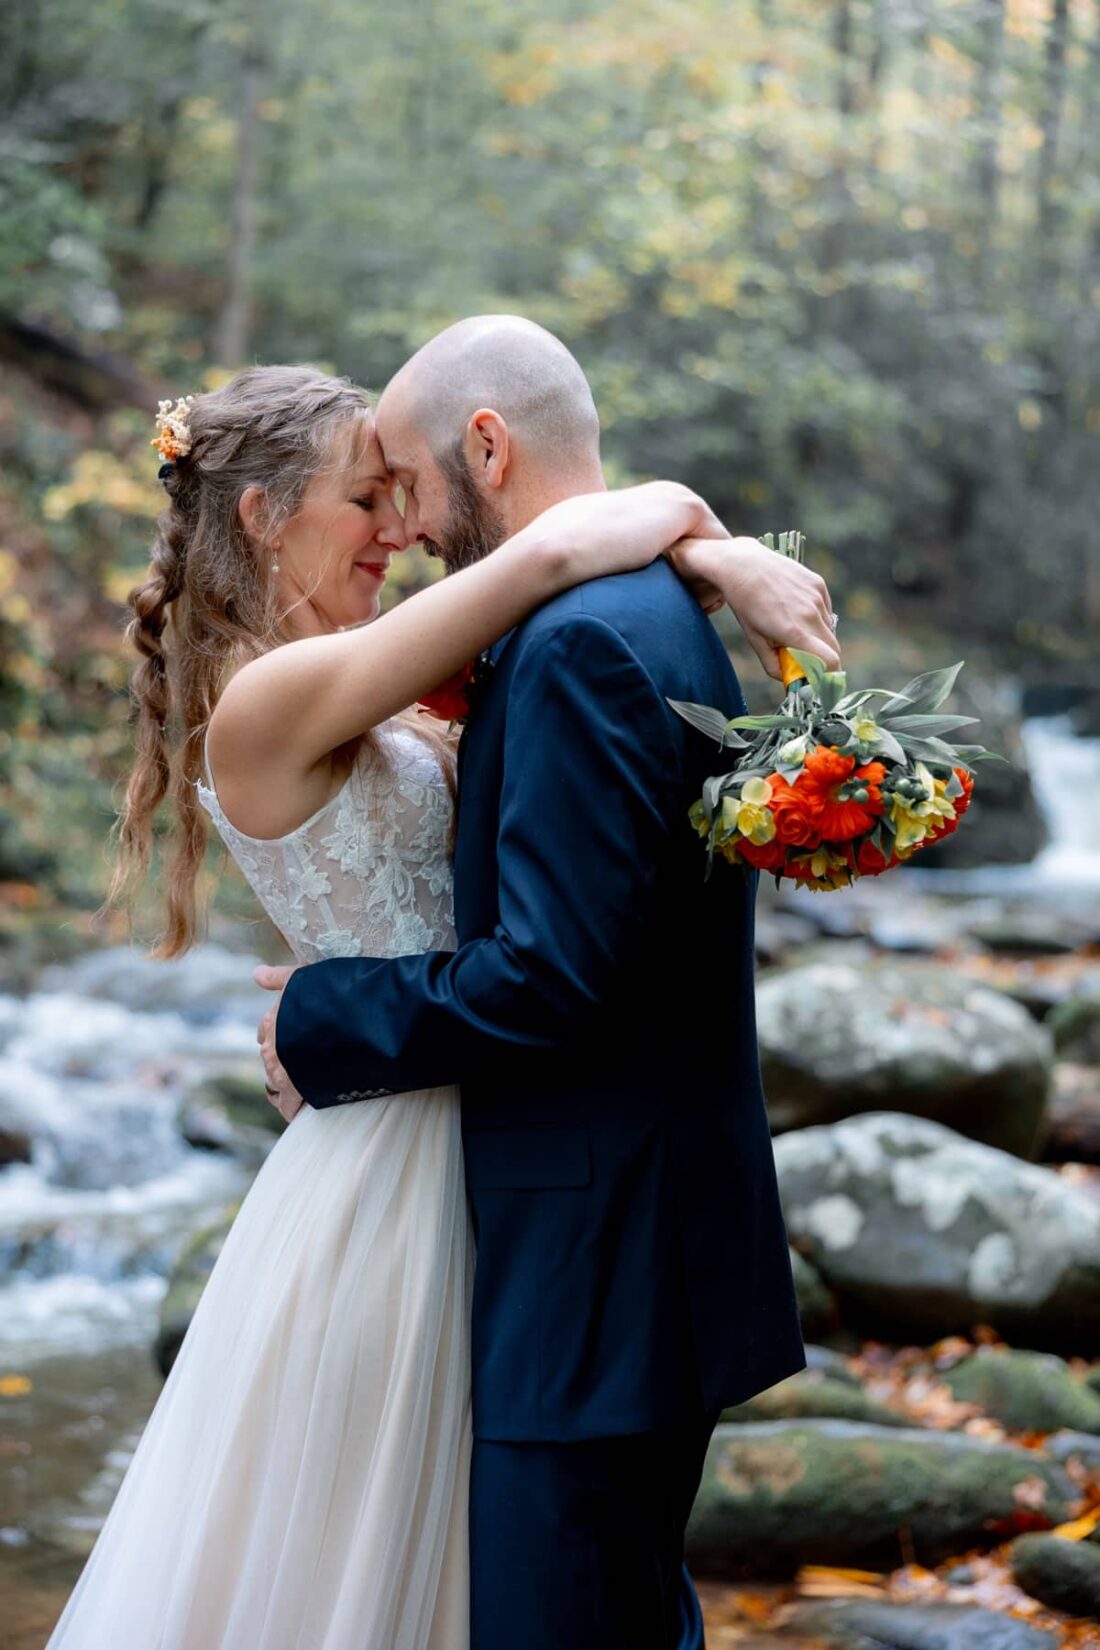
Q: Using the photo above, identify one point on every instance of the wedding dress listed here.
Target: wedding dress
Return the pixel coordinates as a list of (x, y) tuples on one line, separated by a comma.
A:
[(302, 1482)]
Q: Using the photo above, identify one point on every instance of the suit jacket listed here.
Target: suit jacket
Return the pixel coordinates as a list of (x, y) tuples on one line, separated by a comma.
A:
[(632, 1262)]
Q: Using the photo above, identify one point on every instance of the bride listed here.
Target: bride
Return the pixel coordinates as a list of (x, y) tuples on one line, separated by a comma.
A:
[(302, 1482)]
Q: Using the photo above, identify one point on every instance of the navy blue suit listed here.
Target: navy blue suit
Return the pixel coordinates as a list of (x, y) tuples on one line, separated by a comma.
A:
[(632, 1267)]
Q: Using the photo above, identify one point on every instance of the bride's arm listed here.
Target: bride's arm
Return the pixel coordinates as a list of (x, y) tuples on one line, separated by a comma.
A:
[(285, 713)]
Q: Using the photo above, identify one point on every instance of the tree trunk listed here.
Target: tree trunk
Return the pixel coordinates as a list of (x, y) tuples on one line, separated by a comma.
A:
[(1047, 212), (232, 333), (988, 104), (834, 241)]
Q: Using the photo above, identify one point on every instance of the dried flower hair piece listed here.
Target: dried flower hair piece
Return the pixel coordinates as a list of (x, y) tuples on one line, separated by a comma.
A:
[(173, 437)]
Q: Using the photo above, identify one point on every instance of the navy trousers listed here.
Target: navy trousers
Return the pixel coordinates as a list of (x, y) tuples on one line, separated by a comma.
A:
[(580, 1546)]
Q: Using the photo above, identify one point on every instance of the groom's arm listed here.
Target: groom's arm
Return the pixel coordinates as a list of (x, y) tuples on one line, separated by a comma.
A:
[(592, 788)]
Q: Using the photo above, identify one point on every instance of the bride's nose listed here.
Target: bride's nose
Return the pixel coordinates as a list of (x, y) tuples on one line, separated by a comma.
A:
[(391, 528)]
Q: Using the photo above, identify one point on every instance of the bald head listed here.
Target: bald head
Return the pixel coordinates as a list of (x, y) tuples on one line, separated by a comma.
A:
[(517, 369)]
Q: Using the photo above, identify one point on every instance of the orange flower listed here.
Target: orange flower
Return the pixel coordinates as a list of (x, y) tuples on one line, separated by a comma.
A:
[(765, 856), (797, 810), (826, 766), (827, 772), (966, 780), (871, 862)]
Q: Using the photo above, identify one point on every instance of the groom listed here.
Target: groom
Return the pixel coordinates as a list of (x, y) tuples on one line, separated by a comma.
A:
[(632, 1266)]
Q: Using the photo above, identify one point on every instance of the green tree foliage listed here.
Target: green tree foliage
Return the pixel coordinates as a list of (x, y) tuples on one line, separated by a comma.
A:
[(835, 262)]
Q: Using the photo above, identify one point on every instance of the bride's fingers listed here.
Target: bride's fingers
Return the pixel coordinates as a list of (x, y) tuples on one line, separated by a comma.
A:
[(765, 651)]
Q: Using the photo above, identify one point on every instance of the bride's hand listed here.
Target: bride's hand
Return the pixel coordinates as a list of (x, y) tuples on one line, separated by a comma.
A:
[(778, 602)]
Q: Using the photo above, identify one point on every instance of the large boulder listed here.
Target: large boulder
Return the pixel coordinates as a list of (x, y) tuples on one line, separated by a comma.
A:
[(16, 1131), (816, 1307), (208, 983), (881, 1624), (776, 1494), (924, 1233), (185, 1287), (1027, 1391), (846, 1036), (1005, 824), (813, 1392), (228, 1111), (1061, 1573), (1075, 1024)]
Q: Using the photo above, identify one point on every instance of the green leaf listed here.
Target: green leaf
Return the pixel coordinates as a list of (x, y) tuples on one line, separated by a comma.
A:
[(812, 666), (712, 793), (887, 745), (709, 721), (927, 725), (934, 751), (926, 692), (774, 720)]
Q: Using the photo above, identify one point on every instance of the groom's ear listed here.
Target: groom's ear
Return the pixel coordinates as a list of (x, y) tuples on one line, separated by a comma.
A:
[(488, 447)]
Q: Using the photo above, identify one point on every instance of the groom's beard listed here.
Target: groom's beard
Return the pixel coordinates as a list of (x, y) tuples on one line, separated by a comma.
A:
[(474, 529)]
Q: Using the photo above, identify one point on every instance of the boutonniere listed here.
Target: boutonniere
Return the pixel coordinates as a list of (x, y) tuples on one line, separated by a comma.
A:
[(455, 700)]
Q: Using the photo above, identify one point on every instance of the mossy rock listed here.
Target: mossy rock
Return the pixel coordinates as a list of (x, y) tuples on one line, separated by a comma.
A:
[(778, 1494), (880, 1624), (810, 1393), (1028, 1391), (228, 1111), (816, 1307), (1075, 1024), (920, 1233), (1060, 1573), (841, 1037), (185, 1286)]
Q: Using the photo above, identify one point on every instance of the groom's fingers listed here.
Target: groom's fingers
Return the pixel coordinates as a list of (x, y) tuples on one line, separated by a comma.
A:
[(272, 979)]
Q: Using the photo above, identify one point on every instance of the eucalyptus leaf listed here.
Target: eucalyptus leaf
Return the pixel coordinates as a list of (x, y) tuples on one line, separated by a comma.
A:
[(709, 721), (932, 751), (887, 745), (712, 792), (773, 720), (812, 666), (926, 692), (852, 701), (927, 725)]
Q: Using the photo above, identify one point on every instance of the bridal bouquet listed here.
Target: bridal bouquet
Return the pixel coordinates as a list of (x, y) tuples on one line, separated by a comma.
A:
[(836, 784)]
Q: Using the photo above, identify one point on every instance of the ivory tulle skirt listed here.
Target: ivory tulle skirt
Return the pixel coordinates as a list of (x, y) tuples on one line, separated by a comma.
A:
[(302, 1482)]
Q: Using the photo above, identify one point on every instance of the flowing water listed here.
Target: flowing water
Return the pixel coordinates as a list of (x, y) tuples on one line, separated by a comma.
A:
[(94, 1065)]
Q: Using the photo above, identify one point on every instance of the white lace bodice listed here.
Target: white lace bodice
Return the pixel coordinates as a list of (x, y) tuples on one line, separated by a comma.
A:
[(369, 874)]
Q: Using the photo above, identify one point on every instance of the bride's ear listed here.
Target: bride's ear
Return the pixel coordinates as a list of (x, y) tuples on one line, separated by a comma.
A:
[(250, 513), (488, 448)]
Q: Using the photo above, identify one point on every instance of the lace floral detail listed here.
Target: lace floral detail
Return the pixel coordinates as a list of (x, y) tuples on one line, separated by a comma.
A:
[(369, 875)]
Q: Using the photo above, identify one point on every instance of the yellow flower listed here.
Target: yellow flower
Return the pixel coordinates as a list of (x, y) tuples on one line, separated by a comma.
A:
[(700, 818), (867, 731), (727, 820), (756, 791), (756, 821), (917, 817)]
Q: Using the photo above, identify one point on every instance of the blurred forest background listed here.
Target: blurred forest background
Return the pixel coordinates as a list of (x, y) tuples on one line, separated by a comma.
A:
[(834, 262)]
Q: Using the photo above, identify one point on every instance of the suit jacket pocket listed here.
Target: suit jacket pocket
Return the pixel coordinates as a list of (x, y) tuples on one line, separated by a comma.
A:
[(527, 1158)]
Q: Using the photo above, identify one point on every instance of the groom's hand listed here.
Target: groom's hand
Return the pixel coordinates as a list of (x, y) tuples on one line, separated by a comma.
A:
[(280, 1090)]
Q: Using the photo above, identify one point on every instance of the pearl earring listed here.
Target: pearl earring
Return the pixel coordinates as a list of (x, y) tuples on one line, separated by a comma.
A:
[(275, 563)]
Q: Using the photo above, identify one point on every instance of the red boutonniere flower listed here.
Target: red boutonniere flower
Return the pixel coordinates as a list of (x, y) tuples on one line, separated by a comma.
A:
[(450, 701), (456, 699)]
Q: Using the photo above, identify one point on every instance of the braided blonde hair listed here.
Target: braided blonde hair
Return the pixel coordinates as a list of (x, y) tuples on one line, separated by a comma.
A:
[(209, 603)]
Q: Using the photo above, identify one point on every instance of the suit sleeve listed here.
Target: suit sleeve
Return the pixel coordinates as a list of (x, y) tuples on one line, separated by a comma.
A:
[(592, 788)]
